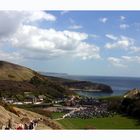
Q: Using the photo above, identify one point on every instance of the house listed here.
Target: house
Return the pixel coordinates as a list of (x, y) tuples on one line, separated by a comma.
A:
[(31, 99), (41, 97), (17, 103), (8, 100)]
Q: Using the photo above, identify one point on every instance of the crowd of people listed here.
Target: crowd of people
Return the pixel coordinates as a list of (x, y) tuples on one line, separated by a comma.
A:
[(31, 125), (27, 126), (90, 112)]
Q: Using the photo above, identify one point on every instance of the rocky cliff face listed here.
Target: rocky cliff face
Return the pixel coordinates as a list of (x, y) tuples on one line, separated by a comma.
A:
[(133, 94)]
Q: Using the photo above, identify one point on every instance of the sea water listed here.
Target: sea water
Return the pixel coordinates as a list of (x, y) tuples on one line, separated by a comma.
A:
[(120, 85)]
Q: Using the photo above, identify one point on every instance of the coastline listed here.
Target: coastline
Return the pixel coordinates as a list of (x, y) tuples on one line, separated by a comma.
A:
[(86, 90)]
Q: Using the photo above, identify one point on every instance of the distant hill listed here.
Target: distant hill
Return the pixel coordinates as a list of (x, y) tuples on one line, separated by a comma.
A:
[(76, 85), (54, 74)]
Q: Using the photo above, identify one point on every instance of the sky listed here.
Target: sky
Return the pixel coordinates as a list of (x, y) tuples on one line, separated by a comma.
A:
[(104, 43)]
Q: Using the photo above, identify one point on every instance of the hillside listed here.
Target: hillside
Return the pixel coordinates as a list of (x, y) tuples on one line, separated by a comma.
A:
[(18, 115), (10, 71), (16, 79), (133, 94)]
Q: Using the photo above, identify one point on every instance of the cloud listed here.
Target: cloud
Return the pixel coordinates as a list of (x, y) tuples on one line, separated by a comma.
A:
[(94, 36), (11, 56), (64, 12), (52, 43), (103, 20), (31, 42), (135, 49), (87, 51), (10, 21), (124, 61), (40, 15), (74, 27), (124, 26), (117, 62), (122, 18), (121, 42), (110, 36)]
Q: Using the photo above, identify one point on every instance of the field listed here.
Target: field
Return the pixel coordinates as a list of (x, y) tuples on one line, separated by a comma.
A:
[(116, 122), (56, 115)]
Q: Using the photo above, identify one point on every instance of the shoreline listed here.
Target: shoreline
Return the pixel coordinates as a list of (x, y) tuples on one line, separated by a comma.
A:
[(86, 90)]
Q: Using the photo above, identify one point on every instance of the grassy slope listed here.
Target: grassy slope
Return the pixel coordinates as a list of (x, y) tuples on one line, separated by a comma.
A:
[(10, 71), (116, 122), (56, 115)]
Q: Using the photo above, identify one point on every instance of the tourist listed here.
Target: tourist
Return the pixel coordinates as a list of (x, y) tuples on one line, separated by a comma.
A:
[(26, 127), (20, 127), (31, 125)]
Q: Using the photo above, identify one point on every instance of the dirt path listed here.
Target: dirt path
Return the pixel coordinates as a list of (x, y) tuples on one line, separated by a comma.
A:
[(58, 119)]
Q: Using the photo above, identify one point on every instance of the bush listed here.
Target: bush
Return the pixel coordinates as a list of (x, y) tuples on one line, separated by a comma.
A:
[(11, 76)]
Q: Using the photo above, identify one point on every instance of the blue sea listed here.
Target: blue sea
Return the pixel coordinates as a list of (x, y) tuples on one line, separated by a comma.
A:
[(120, 85)]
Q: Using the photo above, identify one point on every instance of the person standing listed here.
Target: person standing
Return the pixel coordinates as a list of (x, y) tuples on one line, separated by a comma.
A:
[(31, 125), (26, 127)]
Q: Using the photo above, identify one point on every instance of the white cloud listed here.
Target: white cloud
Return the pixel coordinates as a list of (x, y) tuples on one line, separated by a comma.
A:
[(64, 12), (124, 26), (32, 42), (122, 18), (87, 51), (40, 15), (135, 49), (124, 61), (74, 27), (116, 62), (121, 42), (103, 20), (52, 43), (11, 56), (10, 21), (110, 36)]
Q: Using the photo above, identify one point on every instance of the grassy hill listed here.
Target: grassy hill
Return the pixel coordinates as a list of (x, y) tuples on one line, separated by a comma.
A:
[(16, 79), (18, 115), (10, 71)]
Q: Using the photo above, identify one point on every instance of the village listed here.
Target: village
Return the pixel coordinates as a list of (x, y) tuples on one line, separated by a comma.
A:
[(29, 99), (71, 106)]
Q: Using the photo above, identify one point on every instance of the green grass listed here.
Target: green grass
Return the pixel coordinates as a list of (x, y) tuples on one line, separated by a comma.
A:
[(56, 115), (116, 122)]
